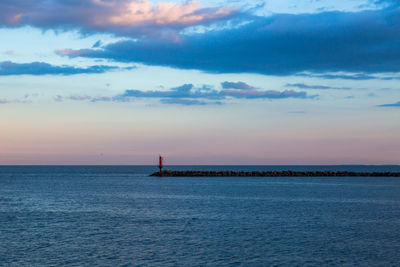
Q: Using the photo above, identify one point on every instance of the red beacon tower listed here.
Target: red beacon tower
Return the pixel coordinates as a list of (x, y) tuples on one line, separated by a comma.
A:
[(160, 163)]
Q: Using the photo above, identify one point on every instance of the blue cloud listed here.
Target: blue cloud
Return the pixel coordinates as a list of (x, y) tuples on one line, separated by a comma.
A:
[(236, 85), (316, 87), (24, 100), (188, 91), (350, 76), (97, 44), (270, 94), (184, 91), (353, 76), (190, 95), (185, 102), (364, 42), (388, 3), (397, 105), (41, 68)]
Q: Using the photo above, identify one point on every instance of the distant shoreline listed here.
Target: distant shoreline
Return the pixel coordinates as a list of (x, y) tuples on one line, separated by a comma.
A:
[(167, 173)]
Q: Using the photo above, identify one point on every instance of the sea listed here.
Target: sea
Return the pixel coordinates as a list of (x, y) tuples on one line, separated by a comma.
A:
[(120, 216)]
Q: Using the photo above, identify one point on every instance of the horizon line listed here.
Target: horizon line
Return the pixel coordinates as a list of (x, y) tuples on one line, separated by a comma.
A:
[(126, 165)]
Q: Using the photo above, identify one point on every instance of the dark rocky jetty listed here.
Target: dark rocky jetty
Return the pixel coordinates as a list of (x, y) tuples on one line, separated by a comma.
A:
[(167, 173)]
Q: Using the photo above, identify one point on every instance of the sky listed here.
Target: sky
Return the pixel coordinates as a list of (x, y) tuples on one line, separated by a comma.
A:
[(280, 82)]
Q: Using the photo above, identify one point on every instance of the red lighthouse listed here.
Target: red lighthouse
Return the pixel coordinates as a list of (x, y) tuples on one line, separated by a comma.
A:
[(160, 163)]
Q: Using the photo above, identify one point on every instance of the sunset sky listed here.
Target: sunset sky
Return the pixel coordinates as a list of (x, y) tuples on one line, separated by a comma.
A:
[(201, 82)]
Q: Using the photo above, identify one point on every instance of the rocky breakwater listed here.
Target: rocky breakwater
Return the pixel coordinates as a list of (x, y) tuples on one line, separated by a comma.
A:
[(168, 173)]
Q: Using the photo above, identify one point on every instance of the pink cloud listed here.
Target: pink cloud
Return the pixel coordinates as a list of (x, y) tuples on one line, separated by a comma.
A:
[(70, 52), (122, 17), (143, 12)]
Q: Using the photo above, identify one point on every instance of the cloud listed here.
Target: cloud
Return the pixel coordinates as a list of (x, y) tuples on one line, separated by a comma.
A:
[(188, 94), (349, 76), (97, 44), (167, 13), (184, 91), (59, 98), (270, 94), (24, 100), (41, 68), (352, 76), (316, 87), (133, 18), (236, 85), (364, 43), (189, 91), (79, 98), (185, 102), (9, 52), (387, 3), (397, 104), (72, 53)]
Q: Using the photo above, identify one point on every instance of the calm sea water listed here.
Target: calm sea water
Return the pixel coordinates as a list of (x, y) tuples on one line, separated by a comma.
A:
[(118, 216)]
